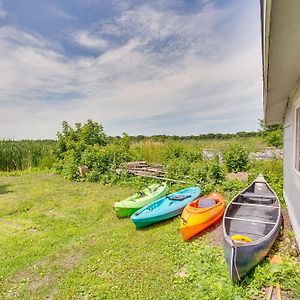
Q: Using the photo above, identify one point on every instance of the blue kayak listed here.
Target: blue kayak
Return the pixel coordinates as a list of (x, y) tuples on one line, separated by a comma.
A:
[(165, 208)]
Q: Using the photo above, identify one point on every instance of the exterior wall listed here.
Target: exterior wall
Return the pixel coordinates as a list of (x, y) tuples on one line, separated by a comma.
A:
[(291, 185)]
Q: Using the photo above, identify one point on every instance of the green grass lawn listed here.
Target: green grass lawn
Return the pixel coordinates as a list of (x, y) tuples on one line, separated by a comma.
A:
[(62, 240)]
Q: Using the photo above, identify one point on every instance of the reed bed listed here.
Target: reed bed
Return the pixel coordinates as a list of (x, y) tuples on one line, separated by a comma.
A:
[(21, 155)]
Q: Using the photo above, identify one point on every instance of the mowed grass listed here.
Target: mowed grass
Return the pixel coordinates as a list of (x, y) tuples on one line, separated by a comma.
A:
[(62, 240)]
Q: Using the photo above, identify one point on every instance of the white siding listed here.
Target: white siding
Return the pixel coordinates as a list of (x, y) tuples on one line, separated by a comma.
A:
[(291, 176)]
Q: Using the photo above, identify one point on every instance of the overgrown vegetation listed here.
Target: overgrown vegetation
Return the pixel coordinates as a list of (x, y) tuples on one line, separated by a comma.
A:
[(21, 155), (236, 158), (88, 145), (273, 134)]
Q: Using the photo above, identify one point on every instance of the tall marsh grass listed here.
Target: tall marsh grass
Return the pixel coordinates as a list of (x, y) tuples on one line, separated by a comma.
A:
[(21, 155)]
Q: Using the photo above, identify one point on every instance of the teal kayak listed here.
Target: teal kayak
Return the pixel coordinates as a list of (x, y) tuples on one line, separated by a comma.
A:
[(140, 199), (165, 208)]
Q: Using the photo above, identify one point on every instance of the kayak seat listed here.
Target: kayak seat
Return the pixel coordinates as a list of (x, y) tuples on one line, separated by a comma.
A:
[(206, 203), (178, 197), (141, 194), (156, 188)]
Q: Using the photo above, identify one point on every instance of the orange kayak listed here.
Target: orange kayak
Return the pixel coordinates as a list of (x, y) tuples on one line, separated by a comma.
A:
[(200, 214)]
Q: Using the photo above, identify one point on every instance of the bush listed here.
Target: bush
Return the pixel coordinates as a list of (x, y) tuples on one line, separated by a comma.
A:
[(88, 145), (273, 134), (236, 159), (216, 171), (178, 168), (274, 138), (183, 151)]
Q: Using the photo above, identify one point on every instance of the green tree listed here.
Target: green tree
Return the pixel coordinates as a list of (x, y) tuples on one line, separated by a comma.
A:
[(72, 143), (272, 134)]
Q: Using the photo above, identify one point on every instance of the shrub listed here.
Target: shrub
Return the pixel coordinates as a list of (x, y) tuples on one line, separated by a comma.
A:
[(236, 158), (183, 151), (178, 168), (199, 172), (273, 134), (216, 171), (88, 145), (274, 138)]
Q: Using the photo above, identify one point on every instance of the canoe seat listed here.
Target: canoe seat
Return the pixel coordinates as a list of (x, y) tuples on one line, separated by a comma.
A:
[(206, 203), (254, 205), (251, 221), (253, 195)]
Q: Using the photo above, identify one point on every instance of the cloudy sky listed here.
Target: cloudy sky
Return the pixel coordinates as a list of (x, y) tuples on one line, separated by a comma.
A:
[(145, 67)]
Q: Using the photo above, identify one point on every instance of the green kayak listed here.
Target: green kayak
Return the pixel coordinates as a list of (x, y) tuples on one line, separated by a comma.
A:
[(140, 199)]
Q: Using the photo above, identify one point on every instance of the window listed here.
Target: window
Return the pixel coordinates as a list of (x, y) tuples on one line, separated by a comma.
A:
[(297, 140)]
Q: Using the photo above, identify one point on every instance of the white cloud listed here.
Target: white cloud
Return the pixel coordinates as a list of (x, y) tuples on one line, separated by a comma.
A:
[(175, 74), (85, 39)]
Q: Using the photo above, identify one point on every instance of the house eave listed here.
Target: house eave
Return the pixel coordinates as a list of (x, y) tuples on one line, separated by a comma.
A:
[(281, 56)]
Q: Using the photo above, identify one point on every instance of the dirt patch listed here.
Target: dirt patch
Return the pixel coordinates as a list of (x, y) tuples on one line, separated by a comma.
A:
[(64, 264), (39, 282), (70, 261), (15, 225), (32, 280), (52, 293), (241, 176), (182, 272), (214, 234), (54, 213)]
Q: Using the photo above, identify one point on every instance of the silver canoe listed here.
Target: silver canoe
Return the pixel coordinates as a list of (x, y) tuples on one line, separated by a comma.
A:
[(251, 224)]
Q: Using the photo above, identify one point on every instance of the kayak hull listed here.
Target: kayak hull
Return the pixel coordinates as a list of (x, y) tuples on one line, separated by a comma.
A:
[(124, 212), (195, 219), (164, 208), (149, 221), (132, 204)]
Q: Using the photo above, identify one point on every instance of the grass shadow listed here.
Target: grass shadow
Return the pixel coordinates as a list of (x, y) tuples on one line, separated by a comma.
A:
[(4, 189)]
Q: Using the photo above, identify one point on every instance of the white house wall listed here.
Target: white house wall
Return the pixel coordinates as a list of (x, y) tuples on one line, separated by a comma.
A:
[(291, 176)]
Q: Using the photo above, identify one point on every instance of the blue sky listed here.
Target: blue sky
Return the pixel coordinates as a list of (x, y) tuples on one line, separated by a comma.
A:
[(144, 67)]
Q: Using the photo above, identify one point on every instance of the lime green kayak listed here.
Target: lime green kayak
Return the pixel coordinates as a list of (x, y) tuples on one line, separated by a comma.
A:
[(140, 199)]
